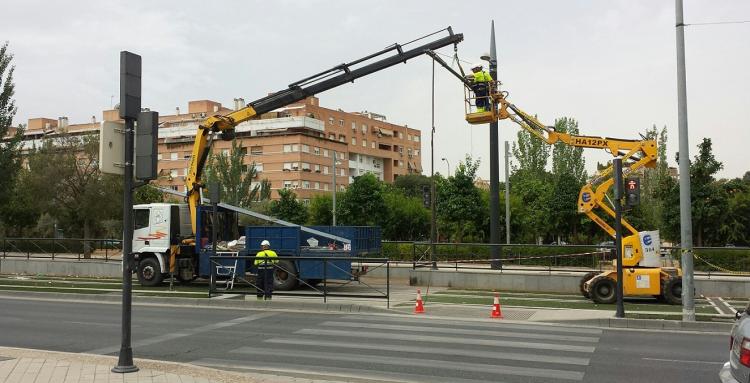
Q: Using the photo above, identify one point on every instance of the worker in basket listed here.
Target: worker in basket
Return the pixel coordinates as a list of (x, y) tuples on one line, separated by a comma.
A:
[(481, 88), (265, 260)]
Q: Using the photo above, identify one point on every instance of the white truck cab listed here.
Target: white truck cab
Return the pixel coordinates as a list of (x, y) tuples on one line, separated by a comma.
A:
[(156, 227)]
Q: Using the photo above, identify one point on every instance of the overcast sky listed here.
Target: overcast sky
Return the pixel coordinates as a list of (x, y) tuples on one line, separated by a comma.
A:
[(609, 64)]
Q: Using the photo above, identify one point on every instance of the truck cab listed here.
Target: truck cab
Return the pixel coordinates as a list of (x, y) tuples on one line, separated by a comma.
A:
[(156, 228)]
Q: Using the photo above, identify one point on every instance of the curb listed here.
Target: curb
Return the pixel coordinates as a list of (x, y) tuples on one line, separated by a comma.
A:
[(652, 324), (199, 302)]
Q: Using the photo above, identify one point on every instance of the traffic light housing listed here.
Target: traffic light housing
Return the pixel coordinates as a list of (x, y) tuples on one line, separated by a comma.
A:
[(426, 201), (632, 191)]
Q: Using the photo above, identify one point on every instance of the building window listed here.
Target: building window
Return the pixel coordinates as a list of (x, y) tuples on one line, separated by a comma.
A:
[(354, 141), (401, 149), (317, 186), (341, 122), (306, 201), (400, 135), (325, 153), (305, 148), (332, 136), (343, 172), (258, 168), (330, 120), (325, 186), (372, 144), (317, 168), (325, 169), (342, 138), (173, 173), (408, 151), (173, 156), (287, 166), (364, 129), (225, 152), (416, 152), (408, 137), (244, 168), (364, 143), (361, 159), (354, 126), (287, 148), (400, 163), (342, 188), (159, 157), (316, 151), (256, 150), (305, 184), (306, 166), (376, 164), (287, 184), (416, 138)]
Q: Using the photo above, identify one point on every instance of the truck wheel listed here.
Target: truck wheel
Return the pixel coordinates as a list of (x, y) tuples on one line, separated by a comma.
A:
[(585, 279), (673, 291), (149, 272), (285, 276), (603, 290)]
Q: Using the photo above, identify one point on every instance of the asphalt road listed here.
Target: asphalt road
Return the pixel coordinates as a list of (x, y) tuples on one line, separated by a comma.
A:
[(368, 348)]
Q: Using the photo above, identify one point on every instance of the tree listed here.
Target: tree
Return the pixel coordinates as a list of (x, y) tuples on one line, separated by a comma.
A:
[(80, 195), (459, 203), (147, 194), (363, 203), (531, 153), (406, 218), (321, 210), (568, 175), (10, 139), (236, 178), (289, 208), (412, 184)]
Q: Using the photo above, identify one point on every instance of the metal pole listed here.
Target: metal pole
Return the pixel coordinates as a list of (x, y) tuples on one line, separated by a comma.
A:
[(125, 361), (686, 219), (618, 235), (494, 168), (507, 194), (334, 188), (433, 194)]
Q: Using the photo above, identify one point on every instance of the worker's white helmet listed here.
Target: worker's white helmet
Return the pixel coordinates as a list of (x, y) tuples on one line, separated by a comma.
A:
[(265, 243), (477, 65)]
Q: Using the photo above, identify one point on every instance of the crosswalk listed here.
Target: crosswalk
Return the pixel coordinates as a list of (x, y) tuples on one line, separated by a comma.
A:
[(401, 349)]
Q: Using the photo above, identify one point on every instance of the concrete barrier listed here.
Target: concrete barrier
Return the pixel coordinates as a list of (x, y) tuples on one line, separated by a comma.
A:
[(61, 267)]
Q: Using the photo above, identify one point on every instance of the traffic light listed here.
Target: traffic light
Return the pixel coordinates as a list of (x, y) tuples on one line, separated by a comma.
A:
[(426, 201), (632, 192)]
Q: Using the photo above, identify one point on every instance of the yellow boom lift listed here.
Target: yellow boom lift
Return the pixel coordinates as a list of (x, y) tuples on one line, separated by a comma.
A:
[(643, 272)]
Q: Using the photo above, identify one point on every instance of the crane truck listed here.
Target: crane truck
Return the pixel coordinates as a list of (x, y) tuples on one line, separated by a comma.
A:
[(164, 239), (643, 273)]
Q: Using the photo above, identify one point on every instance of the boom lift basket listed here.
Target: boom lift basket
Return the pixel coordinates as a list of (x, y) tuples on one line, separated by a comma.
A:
[(490, 112)]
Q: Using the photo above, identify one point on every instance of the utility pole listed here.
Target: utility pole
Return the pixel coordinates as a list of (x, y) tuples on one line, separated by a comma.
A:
[(494, 169), (686, 219), (620, 313), (507, 194)]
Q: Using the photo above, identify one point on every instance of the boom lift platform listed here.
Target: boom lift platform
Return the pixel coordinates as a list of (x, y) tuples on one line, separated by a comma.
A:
[(642, 269)]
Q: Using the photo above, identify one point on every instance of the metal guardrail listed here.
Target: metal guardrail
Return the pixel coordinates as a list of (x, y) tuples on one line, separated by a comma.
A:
[(709, 260), (243, 283), (61, 248)]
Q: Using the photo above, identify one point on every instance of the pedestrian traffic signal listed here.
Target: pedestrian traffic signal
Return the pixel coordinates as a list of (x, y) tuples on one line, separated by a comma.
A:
[(632, 192), (426, 201)]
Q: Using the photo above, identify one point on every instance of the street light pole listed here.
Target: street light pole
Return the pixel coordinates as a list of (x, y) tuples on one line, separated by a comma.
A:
[(494, 169), (507, 194), (449, 165), (334, 188)]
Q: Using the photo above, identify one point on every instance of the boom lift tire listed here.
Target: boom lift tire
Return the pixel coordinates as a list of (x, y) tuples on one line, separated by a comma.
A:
[(603, 290), (586, 278), (149, 272), (672, 291), (285, 276)]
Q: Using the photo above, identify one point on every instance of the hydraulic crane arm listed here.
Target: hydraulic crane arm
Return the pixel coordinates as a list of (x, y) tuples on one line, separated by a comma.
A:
[(298, 91), (635, 154)]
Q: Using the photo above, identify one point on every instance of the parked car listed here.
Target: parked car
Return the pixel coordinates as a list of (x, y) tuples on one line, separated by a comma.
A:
[(737, 369), (610, 244)]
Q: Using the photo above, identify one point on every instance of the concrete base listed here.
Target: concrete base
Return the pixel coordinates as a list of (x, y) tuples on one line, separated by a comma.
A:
[(97, 269)]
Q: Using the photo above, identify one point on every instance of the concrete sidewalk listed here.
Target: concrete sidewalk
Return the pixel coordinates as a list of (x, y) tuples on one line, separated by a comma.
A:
[(19, 365)]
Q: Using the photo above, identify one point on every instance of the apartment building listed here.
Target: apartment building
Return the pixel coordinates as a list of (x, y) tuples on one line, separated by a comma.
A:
[(292, 147)]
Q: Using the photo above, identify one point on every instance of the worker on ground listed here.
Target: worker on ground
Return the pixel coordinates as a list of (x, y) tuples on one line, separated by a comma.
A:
[(481, 88), (265, 261)]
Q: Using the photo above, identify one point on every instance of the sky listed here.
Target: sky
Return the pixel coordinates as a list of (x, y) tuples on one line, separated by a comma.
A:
[(611, 65)]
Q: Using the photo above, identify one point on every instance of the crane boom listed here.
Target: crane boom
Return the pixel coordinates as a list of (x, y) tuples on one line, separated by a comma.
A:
[(297, 91)]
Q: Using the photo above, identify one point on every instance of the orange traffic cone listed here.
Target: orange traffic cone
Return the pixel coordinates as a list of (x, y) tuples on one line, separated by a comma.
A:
[(419, 306), (496, 312)]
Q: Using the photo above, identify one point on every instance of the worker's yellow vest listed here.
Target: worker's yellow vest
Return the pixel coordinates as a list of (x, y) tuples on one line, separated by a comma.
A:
[(260, 261), (482, 76)]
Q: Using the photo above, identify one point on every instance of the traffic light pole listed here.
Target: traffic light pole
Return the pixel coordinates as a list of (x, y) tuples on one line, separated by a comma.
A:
[(620, 313)]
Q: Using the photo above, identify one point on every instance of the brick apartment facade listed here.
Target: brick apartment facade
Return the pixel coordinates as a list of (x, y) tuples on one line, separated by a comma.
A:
[(291, 147)]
